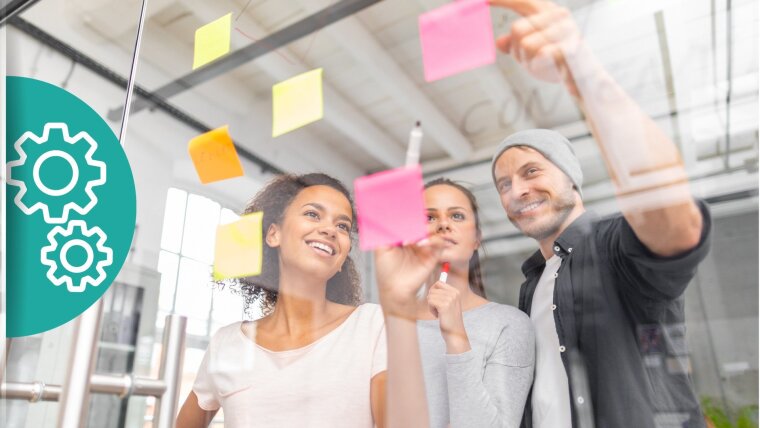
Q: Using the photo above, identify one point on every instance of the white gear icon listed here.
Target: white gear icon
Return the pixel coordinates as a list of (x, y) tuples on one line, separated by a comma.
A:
[(54, 193), (78, 235)]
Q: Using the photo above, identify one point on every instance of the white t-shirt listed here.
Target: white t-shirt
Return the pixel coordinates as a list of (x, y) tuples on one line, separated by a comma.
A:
[(323, 384), (551, 397)]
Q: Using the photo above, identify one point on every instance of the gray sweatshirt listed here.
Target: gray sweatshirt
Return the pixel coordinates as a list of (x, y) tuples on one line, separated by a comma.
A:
[(486, 386)]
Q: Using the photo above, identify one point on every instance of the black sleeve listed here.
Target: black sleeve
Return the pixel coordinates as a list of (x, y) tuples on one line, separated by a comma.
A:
[(646, 274)]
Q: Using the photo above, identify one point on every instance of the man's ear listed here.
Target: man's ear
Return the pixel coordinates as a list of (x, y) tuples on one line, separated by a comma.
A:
[(273, 236)]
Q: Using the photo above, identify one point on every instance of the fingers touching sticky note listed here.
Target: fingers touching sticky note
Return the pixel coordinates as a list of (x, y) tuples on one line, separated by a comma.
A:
[(456, 37), (297, 102), (238, 249), (390, 207), (214, 156), (212, 41)]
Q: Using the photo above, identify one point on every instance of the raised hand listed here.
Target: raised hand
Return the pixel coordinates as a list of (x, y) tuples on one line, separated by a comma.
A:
[(445, 303), (542, 40), (402, 270)]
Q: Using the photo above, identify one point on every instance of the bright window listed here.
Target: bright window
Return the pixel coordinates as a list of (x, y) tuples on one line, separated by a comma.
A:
[(185, 262)]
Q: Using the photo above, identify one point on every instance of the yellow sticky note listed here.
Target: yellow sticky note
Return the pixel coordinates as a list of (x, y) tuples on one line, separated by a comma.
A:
[(297, 102), (238, 249), (214, 156), (212, 41)]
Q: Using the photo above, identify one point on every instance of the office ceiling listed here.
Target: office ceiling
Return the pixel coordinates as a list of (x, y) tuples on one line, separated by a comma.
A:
[(679, 59)]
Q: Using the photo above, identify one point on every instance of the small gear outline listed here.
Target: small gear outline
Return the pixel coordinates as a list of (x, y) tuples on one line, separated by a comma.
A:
[(38, 205), (104, 253)]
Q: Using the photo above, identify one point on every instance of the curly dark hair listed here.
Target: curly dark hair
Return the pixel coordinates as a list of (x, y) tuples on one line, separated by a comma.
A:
[(475, 276), (273, 200)]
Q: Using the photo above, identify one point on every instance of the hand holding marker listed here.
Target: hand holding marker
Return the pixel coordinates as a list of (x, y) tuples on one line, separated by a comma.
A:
[(444, 272), (412, 158)]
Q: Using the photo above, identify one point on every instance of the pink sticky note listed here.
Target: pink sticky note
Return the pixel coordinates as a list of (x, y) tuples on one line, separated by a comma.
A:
[(390, 207), (456, 37)]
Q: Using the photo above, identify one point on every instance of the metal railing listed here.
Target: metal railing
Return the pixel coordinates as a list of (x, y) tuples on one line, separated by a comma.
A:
[(80, 381)]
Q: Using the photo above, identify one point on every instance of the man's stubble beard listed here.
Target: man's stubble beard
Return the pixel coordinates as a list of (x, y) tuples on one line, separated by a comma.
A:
[(560, 211)]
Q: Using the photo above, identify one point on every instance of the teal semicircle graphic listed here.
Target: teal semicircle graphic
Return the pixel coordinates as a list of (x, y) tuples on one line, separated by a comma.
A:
[(70, 206)]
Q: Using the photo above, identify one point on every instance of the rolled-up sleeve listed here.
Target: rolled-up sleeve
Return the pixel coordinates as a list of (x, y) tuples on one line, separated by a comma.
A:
[(652, 276)]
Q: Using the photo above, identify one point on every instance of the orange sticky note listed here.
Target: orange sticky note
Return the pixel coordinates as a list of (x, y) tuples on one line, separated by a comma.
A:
[(212, 41), (238, 248), (214, 156), (297, 102)]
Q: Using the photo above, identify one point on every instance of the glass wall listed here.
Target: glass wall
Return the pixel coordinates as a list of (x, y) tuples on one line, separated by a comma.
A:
[(690, 66)]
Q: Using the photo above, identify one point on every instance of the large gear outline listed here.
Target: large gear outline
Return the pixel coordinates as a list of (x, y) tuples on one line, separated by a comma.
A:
[(101, 166), (53, 265)]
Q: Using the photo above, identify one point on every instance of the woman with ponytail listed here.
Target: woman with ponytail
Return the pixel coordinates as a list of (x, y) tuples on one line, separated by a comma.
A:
[(477, 356)]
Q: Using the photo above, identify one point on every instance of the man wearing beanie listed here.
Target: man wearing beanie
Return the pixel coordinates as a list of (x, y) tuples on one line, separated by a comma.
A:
[(605, 294)]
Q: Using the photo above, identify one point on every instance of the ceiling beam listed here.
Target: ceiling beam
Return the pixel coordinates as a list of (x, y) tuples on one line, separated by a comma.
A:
[(493, 83), (340, 113), (301, 153), (324, 17), (228, 101), (114, 78), (350, 34), (12, 8)]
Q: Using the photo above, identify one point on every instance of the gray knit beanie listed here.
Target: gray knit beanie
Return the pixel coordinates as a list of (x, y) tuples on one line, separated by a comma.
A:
[(553, 145)]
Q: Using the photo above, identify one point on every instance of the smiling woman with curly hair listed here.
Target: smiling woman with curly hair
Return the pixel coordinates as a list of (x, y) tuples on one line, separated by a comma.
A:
[(344, 287), (315, 358)]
